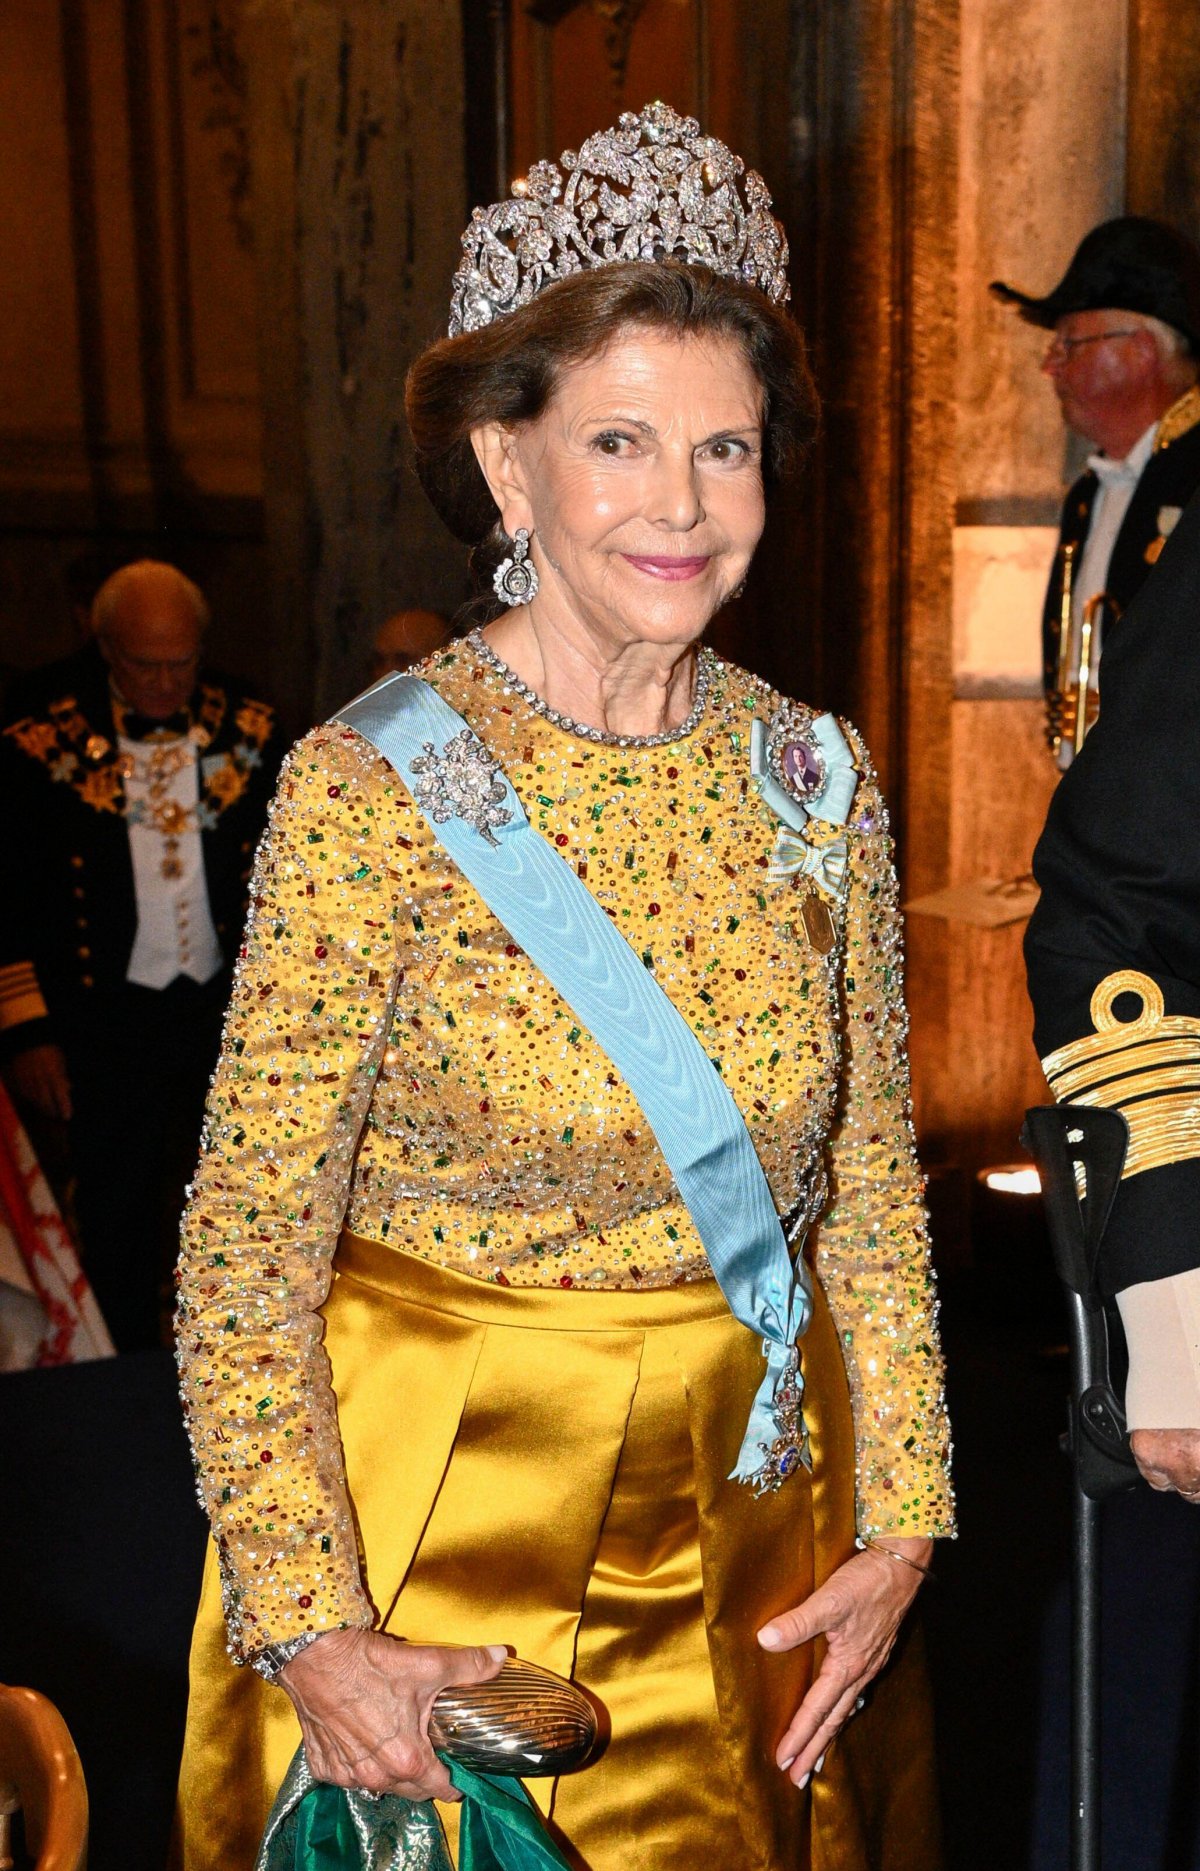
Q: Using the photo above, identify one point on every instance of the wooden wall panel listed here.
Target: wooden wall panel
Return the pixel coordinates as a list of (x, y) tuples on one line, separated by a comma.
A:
[(129, 379), (129, 394), (40, 392), (974, 1067), (1163, 166), (193, 254), (357, 141), (576, 63), (209, 205), (105, 240), (669, 57), (574, 67)]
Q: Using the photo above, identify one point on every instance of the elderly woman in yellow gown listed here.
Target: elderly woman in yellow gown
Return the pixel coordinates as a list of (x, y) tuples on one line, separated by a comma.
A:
[(458, 1373)]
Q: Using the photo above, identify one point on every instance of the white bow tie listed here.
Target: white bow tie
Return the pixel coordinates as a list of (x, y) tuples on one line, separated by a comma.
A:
[(1112, 473)]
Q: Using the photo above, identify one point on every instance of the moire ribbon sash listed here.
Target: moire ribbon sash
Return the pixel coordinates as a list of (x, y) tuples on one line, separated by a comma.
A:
[(480, 822)]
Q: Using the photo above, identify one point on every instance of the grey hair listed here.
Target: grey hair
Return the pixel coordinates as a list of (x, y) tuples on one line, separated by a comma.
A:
[(107, 600), (1173, 346)]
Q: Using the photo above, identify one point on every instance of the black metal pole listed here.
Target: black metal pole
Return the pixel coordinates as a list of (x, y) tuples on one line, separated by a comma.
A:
[(1085, 1612), (1065, 1142), (1085, 1689)]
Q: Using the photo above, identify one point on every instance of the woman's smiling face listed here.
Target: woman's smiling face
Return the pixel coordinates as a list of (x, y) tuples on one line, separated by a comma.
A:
[(641, 485)]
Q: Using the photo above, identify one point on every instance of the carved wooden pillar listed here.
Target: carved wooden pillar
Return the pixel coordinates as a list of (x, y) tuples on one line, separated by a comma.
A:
[(874, 213), (1163, 163), (357, 154), (1041, 160)]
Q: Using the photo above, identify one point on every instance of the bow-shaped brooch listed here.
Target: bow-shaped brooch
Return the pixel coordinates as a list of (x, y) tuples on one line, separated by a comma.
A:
[(804, 770), (793, 856)]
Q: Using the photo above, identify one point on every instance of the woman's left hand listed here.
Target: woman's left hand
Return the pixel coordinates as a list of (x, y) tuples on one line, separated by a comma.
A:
[(858, 1611)]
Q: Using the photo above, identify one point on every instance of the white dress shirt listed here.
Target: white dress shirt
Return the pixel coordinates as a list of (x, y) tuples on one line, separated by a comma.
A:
[(1118, 480), (175, 932)]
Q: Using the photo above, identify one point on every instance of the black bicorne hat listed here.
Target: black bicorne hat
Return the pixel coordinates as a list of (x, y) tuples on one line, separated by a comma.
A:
[(1131, 264)]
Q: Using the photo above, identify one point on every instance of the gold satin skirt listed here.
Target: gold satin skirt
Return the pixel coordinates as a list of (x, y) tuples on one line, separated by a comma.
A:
[(548, 1470)]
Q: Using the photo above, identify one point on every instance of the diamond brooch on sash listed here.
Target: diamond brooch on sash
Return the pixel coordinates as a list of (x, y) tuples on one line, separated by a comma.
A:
[(790, 1450), (462, 782)]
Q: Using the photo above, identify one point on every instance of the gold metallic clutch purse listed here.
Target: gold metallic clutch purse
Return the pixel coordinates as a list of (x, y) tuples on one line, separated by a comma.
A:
[(526, 1722)]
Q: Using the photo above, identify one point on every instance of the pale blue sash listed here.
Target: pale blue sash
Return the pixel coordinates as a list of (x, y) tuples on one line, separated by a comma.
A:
[(553, 916)]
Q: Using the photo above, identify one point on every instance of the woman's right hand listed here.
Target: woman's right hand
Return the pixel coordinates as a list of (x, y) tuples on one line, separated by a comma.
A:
[(364, 1698)]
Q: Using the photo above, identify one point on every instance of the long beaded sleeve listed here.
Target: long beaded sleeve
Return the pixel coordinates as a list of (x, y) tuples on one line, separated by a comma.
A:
[(303, 1042), (872, 1252)]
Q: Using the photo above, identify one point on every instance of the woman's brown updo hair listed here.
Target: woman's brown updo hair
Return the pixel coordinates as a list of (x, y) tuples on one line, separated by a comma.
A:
[(508, 371)]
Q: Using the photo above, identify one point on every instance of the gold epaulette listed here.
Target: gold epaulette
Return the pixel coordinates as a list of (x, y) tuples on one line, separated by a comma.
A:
[(20, 995), (1183, 415), (1147, 1068)]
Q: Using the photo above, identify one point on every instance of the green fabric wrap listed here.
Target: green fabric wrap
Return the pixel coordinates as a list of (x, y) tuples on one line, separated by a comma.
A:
[(316, 1827), (500, 1828)]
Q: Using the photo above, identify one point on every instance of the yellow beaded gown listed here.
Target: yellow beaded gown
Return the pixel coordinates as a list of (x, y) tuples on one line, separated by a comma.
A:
[(453, 1359)]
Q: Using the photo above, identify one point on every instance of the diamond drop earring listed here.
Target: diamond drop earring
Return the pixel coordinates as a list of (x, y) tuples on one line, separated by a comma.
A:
[(515, 580)]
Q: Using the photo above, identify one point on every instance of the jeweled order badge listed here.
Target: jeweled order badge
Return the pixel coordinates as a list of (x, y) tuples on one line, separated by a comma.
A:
[(793, 757)]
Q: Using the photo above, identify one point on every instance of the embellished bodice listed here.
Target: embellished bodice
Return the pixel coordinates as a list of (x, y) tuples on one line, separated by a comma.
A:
[(499, 1140), (394, 1059)]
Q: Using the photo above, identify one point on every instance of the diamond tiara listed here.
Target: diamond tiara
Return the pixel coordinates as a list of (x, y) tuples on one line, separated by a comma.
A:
[(652, 188)]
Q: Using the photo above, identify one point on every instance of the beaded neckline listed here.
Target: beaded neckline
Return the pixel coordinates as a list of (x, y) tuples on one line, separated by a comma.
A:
[(704, 668)]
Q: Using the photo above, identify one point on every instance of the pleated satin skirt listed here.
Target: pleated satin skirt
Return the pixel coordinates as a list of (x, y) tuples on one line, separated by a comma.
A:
[(548, 1470)]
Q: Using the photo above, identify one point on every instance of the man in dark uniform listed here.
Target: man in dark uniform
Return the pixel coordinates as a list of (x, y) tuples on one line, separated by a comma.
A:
[(1113, 955), (1124, 364), (136, 786)]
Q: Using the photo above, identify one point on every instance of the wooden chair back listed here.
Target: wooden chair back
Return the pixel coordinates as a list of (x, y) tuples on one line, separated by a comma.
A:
[(41, 1776)]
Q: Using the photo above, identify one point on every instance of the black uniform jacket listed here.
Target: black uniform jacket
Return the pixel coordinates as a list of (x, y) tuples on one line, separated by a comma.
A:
[(1168, 481), (1119, 869), (68, 918)]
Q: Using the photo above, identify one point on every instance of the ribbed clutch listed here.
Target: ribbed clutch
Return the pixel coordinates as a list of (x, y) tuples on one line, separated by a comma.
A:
[(526, 1721)]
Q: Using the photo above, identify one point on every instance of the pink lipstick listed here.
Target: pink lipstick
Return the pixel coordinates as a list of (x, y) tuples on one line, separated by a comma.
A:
[(670, 567)]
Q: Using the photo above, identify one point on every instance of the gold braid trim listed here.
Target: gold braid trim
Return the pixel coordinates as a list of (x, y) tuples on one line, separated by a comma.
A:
[(1147, 1068), (1182, 416), (91, 765), (20, 995)]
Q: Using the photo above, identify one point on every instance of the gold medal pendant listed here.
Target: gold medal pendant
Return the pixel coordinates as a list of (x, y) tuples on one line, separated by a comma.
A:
[(154, 766), (818, 923)]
